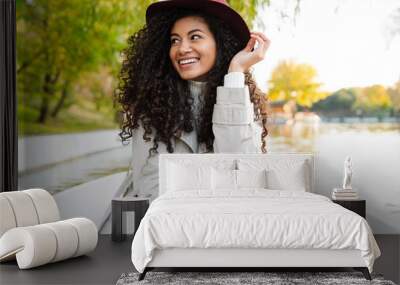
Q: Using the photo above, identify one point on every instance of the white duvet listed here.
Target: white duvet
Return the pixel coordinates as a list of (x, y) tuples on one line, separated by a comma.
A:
[(253, 218)]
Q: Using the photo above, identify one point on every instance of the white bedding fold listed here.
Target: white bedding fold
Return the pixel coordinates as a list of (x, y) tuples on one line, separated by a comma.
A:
[(253, 218)]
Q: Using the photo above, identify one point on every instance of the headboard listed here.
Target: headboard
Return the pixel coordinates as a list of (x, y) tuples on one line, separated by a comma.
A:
[(212, 159)]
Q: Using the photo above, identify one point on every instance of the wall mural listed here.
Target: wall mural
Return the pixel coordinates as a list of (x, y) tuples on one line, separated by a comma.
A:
[(331, 76)]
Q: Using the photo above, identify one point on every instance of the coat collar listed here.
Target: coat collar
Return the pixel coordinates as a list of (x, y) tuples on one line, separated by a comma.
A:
[(191, 140)]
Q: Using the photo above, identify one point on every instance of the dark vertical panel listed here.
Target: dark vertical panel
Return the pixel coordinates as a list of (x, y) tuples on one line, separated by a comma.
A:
[(116, 215), (398, 260), (8, 102)]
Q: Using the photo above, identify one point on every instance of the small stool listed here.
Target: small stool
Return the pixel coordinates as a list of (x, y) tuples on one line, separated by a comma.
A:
[(120, 205)]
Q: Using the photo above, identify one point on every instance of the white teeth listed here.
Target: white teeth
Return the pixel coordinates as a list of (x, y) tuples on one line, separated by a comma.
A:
[(186, 61)]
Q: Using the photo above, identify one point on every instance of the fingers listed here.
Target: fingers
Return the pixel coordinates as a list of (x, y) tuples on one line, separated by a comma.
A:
[(261, 38), (250, 44), (264, 37), (263, 42)]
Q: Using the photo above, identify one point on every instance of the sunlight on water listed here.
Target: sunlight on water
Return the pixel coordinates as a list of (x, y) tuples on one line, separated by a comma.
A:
[(301, 137)]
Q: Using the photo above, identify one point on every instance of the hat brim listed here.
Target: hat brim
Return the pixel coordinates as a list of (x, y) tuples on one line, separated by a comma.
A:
[(219, 10)]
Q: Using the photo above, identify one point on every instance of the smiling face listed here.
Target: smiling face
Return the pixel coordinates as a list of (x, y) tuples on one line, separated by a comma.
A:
[(193, 48)]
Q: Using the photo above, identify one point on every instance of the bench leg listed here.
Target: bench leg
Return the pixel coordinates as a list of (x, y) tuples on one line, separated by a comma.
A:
[(364, 271)]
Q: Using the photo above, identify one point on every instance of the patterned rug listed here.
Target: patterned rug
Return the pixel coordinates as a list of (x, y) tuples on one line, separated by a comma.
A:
[(243, 278)]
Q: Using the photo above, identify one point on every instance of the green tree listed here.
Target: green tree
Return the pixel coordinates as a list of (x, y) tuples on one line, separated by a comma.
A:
[(338, 103), (394, 94), (373, 100), (59, 41), (248, 8), (293, 81)]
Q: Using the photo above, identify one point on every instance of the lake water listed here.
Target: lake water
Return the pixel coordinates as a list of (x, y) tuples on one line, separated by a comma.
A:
[(375, 152), (301, 137)]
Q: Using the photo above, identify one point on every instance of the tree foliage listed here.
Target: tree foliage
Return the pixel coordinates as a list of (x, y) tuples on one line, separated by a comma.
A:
[(338, 103), (375, 100), (60, 42), (248, 8), (394, 94), (293, 81), (372, 99)]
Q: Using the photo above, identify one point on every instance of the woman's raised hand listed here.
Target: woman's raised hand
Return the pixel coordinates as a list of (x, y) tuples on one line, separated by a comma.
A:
[(244, 59)]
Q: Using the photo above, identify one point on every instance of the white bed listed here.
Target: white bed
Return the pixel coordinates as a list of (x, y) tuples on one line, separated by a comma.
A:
[(202, 221)]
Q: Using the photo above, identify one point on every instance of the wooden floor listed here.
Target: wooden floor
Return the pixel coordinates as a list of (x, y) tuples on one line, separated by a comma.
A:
[(110, 260)]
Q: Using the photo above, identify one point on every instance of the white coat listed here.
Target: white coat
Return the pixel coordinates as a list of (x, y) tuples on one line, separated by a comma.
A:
[(234, 130)]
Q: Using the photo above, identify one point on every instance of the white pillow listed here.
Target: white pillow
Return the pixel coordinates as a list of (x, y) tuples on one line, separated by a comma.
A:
[(224, 179), (282, 174), (184, 177), (251, 178), (291, 179)]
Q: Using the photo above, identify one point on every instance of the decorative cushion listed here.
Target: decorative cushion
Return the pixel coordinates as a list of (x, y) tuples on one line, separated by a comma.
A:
[(224, 179), (292, 178), (282, 174), (183, 177), (251, 178)]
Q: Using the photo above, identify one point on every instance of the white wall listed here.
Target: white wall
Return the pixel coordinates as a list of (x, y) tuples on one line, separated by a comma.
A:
[(38, 151)]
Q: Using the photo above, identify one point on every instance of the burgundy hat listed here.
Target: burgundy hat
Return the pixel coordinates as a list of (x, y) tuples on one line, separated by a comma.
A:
[(217, 8)]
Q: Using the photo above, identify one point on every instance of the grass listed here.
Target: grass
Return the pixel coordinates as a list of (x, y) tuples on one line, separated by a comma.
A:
[(73, 120)]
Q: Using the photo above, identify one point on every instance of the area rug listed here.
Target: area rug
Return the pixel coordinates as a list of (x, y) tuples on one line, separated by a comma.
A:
[(243, 278)]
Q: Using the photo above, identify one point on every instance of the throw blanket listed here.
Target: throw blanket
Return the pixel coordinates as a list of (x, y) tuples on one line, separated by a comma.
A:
[(251, 218)]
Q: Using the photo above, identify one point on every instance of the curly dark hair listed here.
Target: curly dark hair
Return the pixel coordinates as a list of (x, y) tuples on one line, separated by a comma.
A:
[(149, 84)]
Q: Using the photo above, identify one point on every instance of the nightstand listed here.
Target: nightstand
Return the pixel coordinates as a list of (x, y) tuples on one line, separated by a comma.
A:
[(139, 205), (357, 206)]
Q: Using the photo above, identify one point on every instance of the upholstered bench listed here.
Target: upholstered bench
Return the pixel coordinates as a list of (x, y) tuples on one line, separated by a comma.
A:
[(31, 231)]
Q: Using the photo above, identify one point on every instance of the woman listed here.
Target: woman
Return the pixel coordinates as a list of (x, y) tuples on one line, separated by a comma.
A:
[(168, 86)]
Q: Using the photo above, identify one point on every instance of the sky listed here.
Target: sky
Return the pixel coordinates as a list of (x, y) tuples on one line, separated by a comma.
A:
[(345, 40)]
